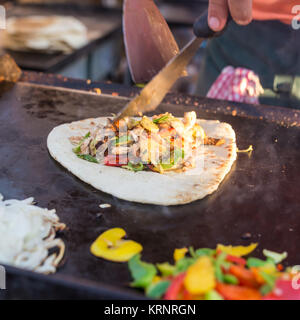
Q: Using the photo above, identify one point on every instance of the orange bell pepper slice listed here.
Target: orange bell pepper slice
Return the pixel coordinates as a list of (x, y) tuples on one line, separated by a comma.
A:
[(246, 277), (232, 292), (258, 277)]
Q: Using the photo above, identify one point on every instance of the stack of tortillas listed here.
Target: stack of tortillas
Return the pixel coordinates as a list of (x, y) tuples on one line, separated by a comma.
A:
[(45, 33)]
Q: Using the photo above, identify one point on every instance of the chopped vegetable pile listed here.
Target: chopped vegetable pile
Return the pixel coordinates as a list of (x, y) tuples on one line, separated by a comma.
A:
[(161, 143), (215, 274)]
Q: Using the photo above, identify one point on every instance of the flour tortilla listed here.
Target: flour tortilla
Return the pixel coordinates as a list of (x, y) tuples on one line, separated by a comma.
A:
[(212, 165), (45, 33)]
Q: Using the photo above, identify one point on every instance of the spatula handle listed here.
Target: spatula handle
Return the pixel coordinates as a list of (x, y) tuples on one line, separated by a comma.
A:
[(202, 29)]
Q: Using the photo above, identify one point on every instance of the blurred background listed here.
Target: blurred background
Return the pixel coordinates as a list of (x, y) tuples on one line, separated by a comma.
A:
[(94, 48)]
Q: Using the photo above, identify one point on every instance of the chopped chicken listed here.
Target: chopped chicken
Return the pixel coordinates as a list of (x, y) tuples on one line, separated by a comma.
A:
[(161, 143)]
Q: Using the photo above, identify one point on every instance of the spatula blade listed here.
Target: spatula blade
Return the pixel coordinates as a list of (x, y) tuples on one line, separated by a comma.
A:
[(148, 39), (154, 92)]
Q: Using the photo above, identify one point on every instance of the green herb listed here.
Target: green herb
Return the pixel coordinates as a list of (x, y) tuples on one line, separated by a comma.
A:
[(78, 148), (166, 166), (255, 262), (122, 140), (274, 256), (183, 264), (157, 290), (204, 252), (213, 295), (142, 272), (162, 119), (201, 252), (229, 278), (226, 265), (178, 154), (192, 252), (87, 157), (265, 289), (218, 266), (166, 269), (134, 167), (269, 279)]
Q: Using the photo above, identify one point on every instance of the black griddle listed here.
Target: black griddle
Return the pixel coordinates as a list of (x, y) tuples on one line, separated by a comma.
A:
[(260, 196)]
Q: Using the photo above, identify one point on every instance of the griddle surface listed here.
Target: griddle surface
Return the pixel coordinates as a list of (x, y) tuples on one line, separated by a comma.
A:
[(260, 196)]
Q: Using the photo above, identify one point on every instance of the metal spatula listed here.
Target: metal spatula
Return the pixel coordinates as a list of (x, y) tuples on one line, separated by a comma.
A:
[(148, 39), (154, 92)]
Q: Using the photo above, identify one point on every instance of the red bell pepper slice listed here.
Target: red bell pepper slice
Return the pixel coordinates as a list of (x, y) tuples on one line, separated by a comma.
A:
[(175, 288), (233, 259), (232, 292), (280, 267), (187, 296), (116, 161), (246, 277), (283, 291), (236, 260)]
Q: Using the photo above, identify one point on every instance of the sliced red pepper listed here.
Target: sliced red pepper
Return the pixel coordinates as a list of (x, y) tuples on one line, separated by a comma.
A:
[(236, 260), (233, 259), (246, 277), (280, 267), (175, 288), (116, 161), (231, 292), (170, 132), (283, 291), (187, 295)]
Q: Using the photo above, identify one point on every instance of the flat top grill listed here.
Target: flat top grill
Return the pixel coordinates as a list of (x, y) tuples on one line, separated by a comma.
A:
[(259, 197)]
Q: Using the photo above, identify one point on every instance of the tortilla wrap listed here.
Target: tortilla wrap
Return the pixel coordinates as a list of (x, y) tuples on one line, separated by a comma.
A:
[(173, 188), (45, 33)]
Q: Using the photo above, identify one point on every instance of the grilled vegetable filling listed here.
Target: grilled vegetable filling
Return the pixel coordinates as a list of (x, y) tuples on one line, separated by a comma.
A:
[(161, 143)]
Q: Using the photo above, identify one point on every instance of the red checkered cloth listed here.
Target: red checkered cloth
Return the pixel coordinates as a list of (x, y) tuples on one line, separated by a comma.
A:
[(240, 85)]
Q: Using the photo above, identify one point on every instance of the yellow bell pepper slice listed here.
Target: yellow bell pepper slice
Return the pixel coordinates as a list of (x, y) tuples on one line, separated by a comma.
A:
[(268, 268), (111, 246), (200, 277), (237, 251), (156, 279), (179, 253)]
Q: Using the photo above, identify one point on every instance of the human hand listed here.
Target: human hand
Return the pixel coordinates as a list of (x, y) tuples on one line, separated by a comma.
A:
[(240, 10)]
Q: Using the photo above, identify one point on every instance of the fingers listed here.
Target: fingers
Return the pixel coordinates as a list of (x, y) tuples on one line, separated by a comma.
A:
[(241, 11), (217, 14)]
